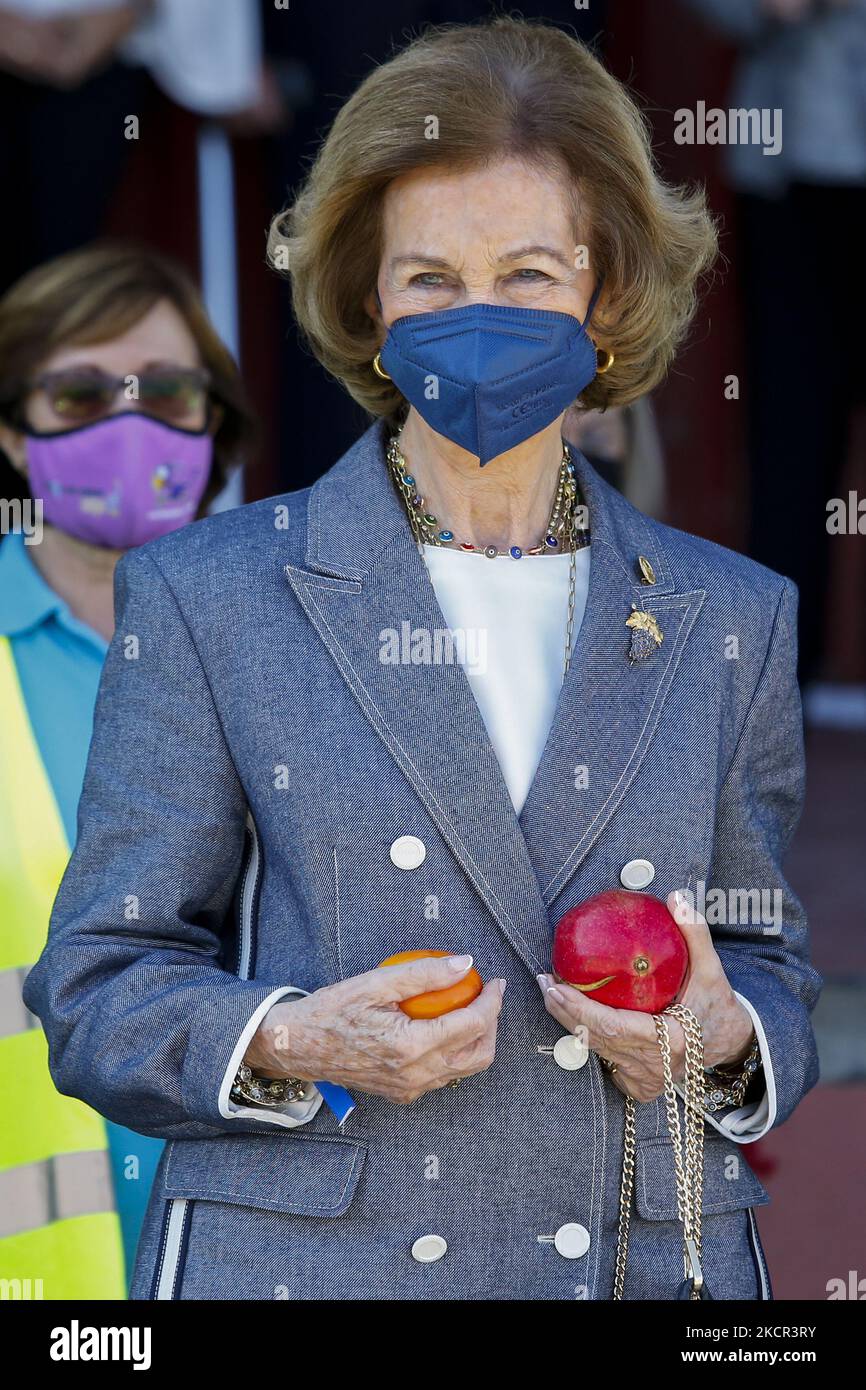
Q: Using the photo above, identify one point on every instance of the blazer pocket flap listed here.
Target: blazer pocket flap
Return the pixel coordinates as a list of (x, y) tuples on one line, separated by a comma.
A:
[(729, 1183), (283, 1172)]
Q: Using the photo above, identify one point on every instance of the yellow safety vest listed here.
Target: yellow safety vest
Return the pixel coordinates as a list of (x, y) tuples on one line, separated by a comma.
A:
[(60, 1235)]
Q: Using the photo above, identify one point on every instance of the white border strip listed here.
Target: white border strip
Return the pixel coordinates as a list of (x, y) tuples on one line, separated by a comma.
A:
[(171, 1253)]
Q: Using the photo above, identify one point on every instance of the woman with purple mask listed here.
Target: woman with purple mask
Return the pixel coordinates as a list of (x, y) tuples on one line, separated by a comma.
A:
[(122, 411)]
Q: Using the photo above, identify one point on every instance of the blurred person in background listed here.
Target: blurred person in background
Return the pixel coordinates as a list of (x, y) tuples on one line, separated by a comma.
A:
[(64, 96), (123, 410), (72, 72), (624, 446), (802, 220)]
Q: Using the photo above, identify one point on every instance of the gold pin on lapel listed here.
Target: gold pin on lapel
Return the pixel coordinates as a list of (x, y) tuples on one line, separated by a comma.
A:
[(647, 573), (646, 634)]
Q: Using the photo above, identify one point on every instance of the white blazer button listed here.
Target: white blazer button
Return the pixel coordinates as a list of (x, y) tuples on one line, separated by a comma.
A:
[(637, 873), (572, 1240), (426, 1249), (569, 1053), (408, 852)]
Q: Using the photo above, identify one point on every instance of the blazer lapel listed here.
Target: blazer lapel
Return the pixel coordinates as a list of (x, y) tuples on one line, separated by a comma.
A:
[(364, 577), (609, 708)]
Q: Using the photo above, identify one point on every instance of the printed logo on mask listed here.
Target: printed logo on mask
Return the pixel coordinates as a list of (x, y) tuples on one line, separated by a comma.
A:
[(120, 482)]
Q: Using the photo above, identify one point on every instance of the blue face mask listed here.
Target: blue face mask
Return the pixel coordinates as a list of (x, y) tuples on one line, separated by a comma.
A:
[(490, 376)]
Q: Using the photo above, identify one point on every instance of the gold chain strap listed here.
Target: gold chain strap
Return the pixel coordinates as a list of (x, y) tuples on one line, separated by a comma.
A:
[(572, 585), (625, 1196), (693, 1089), (688, 1149)]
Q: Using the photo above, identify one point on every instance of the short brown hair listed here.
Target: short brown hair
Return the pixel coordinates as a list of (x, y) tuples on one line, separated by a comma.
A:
[(503, 87), (94, 294)]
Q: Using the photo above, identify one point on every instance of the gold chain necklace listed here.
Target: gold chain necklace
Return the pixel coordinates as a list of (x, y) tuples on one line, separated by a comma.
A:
[(688, 1153), (563, 524)]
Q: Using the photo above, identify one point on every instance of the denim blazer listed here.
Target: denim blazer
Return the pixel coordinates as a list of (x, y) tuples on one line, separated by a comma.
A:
[(253, 762)]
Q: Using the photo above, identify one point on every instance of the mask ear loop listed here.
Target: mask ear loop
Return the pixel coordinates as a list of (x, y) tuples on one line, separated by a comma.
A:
[(592, 303), (608, 356)]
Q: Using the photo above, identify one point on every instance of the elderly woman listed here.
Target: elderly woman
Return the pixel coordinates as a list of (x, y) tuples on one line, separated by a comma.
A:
[(435, 701)]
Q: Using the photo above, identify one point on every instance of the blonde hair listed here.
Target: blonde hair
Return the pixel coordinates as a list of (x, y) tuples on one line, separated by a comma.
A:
[(506, 87)]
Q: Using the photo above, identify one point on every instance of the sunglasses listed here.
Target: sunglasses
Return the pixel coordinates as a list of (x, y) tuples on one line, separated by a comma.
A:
[(176, 395)]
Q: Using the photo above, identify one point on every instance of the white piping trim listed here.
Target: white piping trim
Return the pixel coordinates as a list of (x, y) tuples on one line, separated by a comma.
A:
[(248, 893), (171, 1253), (759, 1257)]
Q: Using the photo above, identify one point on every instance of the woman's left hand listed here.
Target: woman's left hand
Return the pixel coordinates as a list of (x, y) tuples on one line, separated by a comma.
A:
[(629, 1039)]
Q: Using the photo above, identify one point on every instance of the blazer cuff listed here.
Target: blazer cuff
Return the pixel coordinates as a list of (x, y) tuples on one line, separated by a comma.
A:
[(749, 1122), (292, 1113)]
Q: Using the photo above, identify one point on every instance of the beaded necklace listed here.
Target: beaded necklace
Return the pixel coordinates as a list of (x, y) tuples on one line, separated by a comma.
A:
[(426, 526), (564, 525)]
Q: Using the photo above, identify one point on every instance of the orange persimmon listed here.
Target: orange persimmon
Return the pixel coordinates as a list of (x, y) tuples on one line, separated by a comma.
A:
[(437, 1001)]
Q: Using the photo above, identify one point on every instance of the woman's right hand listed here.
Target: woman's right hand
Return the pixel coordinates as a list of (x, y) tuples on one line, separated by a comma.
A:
[(355, 1034)]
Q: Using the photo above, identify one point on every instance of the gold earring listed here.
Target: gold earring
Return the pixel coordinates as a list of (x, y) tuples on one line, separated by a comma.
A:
[(378, 368), (609, 360)]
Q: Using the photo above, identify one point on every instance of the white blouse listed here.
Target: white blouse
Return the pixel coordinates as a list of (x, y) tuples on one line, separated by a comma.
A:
[(516, 613)]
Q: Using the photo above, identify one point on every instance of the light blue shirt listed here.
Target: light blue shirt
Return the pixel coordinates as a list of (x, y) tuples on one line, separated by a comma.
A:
[(59, 662)]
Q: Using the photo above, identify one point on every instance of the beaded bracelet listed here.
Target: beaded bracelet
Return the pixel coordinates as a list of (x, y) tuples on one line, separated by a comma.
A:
[(725, 1091), (263, 1090)]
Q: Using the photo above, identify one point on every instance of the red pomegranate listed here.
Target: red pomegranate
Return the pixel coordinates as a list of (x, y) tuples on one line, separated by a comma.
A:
[(622, 949)]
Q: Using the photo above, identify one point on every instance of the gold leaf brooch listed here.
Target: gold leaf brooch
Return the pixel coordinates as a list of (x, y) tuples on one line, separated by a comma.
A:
[(646, 634)]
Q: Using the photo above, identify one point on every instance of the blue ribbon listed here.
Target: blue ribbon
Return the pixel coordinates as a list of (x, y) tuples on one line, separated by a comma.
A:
[(337, 1099)]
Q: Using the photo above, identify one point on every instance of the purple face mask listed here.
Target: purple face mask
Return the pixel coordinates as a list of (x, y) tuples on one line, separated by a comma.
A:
[(122, 481)]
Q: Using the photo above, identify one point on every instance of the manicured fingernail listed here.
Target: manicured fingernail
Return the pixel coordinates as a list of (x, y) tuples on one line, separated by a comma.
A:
[(555, 994), (502, 984), (460, 962), (684, 911), (542, 980)]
